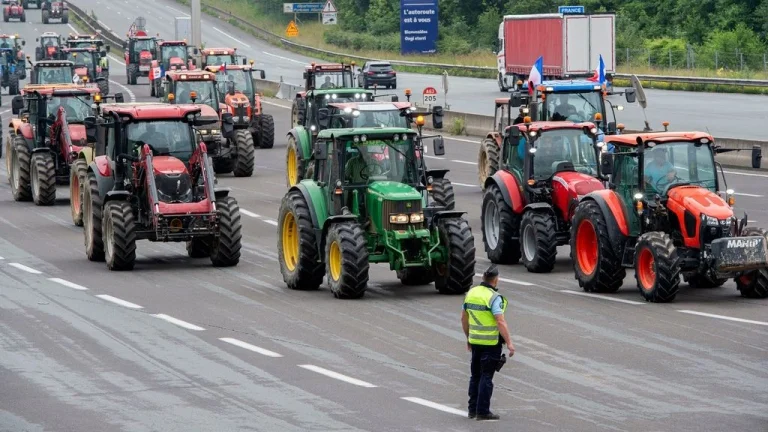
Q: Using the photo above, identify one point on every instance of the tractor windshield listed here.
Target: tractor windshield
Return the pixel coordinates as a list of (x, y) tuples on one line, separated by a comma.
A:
[(54, 75), (333, 79), (575, 107), (144, 45), (81, 58), (50, 41), (169, 138), (322, 100), (206, 93), (380, 160), (678, 163), (241, 78), (558, 146), (77, 108), (82, 44), (7, 43), (169, 52), (216, 60), (369, 118)]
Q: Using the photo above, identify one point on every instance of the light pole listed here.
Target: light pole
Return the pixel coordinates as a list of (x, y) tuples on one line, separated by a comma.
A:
[(196, 21)]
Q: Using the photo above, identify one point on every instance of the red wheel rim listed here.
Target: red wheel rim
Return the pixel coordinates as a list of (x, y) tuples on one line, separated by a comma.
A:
[(645, 271), (586, 247)]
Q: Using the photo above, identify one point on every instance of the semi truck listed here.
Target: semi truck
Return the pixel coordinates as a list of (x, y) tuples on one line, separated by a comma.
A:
[(569, 44)]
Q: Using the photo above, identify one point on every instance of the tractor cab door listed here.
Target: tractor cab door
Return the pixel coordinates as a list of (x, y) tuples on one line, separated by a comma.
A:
[(513, 155), (625, 182), (334, 170)]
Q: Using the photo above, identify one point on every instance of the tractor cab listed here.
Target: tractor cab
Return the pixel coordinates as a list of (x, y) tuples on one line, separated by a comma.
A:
[(196, 87), (220, 56), (90, 41), (173, 55), (346, 115), (49, 45), (241, 78), (85, 61), (329, 76), (140, 50), (52, 72)]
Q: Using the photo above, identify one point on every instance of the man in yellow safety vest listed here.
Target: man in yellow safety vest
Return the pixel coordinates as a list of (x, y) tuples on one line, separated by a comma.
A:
[(482, 319)]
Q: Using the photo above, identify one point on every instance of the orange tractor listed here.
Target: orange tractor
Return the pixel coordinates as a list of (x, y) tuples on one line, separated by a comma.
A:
[(170, 55)]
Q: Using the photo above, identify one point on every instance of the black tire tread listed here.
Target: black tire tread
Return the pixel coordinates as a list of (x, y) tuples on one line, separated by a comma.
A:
[(508, 250), (546, 241), (79, 169), (354, 260), (310, 270), (490, 150), (609, 274), (667, 266), (23, 190), (460, 271), (225, 251), (245, 160), (301, 168), (757, 288), (266, 131), (95, 250), (46, 178), (443, 194), (119, 215)]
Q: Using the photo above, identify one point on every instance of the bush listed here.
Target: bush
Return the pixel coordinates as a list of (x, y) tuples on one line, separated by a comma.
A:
[(362, 41), (660, 50)]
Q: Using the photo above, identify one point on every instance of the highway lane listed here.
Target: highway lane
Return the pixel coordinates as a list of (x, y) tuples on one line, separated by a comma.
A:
[(724, 115)]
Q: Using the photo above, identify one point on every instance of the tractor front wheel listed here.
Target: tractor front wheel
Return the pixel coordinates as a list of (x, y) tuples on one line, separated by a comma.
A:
[(19, 172), (119, 236), (346, 260), (538, 241), (225, 249), (500, 226), (596, 265), (442, 193), (295, 113), (92, 210), (77, 174), (43, 179), (266, 131), (414, 276), (657, 267), (132, 73), (296, 169), (454, 276), (297, 249), (13, 84), (487, 160), (754, 284), (245, 159)]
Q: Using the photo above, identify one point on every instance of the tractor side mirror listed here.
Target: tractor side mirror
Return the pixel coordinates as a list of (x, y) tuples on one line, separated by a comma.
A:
[(757, 156), (106, 48), (195, 51), (227, 125), (323, 117), (194, 62), (437, 118), (37, 39), (514, 132), (230, 87), (23, 42), (611, 129), (438, 146), (606, 163), (321, 151), (263, 75), (17, 104), (244, 61), (125, 45), (90, 129), (395, 99), (306, 75), (630, 95), (119, 98), (516, 100)]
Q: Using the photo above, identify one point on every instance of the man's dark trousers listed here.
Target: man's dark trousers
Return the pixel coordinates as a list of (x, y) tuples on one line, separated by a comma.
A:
[(484, 361)]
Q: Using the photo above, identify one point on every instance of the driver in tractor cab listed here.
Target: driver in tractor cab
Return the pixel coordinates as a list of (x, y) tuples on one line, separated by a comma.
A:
[(53, 76), (152, 137), (360, 167), (327, 84), (658, 169), (563, 108), (550, 150)]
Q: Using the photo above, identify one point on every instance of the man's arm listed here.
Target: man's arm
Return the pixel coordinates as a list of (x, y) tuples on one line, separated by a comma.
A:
[(501, 323), (465, 327)]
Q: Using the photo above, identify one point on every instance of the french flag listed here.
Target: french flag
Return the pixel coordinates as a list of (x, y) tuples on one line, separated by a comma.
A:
[(534, 78), (223, 68), (599, 75)]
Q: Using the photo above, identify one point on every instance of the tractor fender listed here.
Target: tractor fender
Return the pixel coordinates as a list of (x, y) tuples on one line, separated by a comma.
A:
[(86, 153), (437, 173), (510, 189), (25, 129), (613, 212), (539, 207), (329, 222), (301, 135), (103, 173), (445, 214), (495, 136), (116, 195), (315, 199), (221, 192)]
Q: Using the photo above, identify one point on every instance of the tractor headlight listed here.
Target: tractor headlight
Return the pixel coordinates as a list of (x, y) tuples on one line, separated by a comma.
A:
[(215, 132), (398, 219), (638, 196), (417, 218)]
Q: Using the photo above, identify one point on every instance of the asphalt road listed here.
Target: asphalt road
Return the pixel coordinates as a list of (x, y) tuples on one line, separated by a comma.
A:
[(178, 345), (724, 115)]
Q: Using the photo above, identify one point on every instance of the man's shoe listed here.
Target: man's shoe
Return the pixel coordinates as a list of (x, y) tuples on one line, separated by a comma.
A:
[(489, 416), (472, 415)]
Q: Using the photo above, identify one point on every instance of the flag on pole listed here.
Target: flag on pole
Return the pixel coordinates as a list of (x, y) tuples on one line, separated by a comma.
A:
[(599, 76), (223, 68), (534, 78)]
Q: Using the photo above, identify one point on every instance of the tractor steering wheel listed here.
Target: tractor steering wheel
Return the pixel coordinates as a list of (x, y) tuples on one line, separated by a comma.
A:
[(370, 170), (656, 186)]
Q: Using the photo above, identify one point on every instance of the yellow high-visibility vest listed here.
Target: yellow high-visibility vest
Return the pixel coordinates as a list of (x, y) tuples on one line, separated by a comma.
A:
[(482, 324)]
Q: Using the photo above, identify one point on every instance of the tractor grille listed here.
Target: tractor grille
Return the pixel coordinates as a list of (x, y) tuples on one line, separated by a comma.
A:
[(400, 207)]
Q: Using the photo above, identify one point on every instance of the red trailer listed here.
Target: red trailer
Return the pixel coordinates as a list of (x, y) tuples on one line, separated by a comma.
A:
[(570, 44)]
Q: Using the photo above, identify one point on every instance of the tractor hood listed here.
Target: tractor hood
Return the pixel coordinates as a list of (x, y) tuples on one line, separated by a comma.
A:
[(699, 200), (393, 191), (208, 113), (81, 71), (77, 136), (168, 165), (576, 183)]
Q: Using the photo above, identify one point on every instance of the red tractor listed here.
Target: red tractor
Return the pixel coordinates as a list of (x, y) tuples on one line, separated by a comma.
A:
[(49, 46), (87, 67), (546, 167), (664, 216), (170, 56), (56, 10), (139, 53), (14, 11), (152, 180), (219, 56)]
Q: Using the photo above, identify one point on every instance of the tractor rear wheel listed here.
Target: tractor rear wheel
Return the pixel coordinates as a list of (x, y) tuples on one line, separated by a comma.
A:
[(295, 113), (225, 249), (296, 169), (413, 276), (43, 172), (132, 72), (19, 172), (754, 284), (104, 87), (13, 84), (77, 174), (119, 236), (442, 193), (266, 131), (92, 211), (499, 224), (455, 275), (657, 267), (65, 17), (245, 158), (45, 15), (346, 260), (538, 241), (199, 248), (596, 265), (487, 160), (297, 249)]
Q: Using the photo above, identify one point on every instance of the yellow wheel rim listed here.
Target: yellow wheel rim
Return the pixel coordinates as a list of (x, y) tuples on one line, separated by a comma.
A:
[(293, 171), (290, 242), (334, 261)]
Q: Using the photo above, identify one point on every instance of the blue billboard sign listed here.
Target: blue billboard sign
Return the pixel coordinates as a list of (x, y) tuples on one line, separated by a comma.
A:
[(303, 7), (418, 26), (571, 10)]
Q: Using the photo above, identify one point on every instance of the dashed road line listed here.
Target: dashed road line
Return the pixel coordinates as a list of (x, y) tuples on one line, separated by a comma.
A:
[(275, 104), (747, 195), (463, 162), (25, 268), (512, 281), (250, 347), (338, 376), (270, 221), (435, 405), (68, 284), (1, 258), (118, 301), (177, 11), (116, 59), (249, 213), (463, 140), (178, 322), (723, 317), (131, 95), (434, 157), (464, 184), (234, 39), (602, 297), (746, 174), (284, 58)]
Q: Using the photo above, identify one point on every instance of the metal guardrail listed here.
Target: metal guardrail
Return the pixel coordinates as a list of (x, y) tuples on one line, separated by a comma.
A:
[(96, 26)]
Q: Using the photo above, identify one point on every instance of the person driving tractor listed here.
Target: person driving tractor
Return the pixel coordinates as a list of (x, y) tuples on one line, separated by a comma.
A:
[(658, 168), (327, 84), (550, 149), (563, 108), (360, 167)]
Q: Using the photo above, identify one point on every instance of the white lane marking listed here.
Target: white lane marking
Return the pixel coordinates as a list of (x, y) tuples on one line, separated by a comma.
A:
[(178, 11), (434, 157), (249, 213), (275, 104), (115, 59), (746, 174), (178, 322), (462, 139), (1, 258), (284, 58), (751, 221), (602, 297), (69, 284), (270, 221), (464, 162), (118, 301), (464, 184), (5, 111), (434, 405), (127, 90), (512, 281), (723, 317), (337, 376), (236, 40), (250, 347), (73, 29), (747, 195), (25, 268)]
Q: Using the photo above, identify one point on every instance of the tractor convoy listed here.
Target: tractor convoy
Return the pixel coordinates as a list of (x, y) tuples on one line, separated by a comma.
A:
[(557, 170)]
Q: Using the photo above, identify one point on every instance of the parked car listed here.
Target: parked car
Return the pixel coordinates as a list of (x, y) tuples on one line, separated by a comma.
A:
[(379, 73)]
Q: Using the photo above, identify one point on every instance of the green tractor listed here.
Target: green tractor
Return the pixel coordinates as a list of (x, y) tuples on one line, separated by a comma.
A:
[(361, 208)]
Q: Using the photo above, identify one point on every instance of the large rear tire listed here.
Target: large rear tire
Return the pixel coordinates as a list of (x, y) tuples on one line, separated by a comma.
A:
[(19, 172), (754, 284), (442, 193), (266, 131), (119, 236), (596, 265), (104, 87), (245, 159), (487, 160), (133, 72), (538, 241), (501, 228), (43, 179), (225, 249), (295, 113), (346, 260), (77, 175), (297, 248), (92, 211), (657, 267), (455, 275), (13, 84)]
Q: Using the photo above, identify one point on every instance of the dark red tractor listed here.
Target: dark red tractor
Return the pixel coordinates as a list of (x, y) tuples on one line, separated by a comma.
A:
[(56, 10), (14, 11), (140, 50), (155, 182)]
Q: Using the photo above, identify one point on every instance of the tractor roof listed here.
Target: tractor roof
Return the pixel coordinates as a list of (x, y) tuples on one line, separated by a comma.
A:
[(59, 89), (215, 69), (151, 110), (172, 43), (566, 86), (372, 106), (53, 63), (79, 49), (551, 125), (329, 67), (7, 36), (190, 75), (344, 91), (50, 34), (657, 137), (83, 36), (219, 51), (370, 132)]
